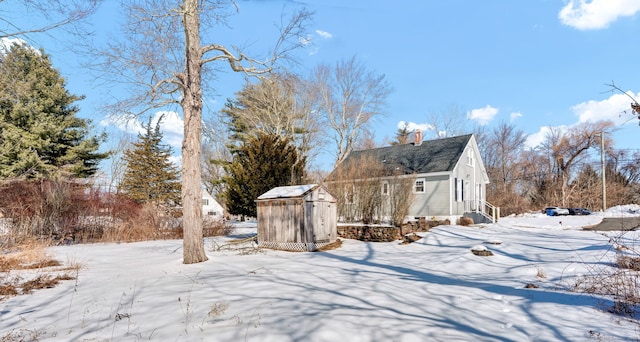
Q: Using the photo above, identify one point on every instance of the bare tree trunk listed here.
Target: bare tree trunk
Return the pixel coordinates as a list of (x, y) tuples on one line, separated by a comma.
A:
[(150, 56), (193, 248)]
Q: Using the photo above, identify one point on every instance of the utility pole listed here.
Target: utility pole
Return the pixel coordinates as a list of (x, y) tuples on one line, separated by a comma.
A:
[(604, 186)]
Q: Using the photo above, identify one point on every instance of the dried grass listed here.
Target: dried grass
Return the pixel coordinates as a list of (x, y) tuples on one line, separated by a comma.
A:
[(43, 282), (333, 245), (18, 260), (30, 255), (628, 262)]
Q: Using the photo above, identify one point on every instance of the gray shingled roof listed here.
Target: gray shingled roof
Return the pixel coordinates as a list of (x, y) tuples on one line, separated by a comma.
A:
[(431, 156)]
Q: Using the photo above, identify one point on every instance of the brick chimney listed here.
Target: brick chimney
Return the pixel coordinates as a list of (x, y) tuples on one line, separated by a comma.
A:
[(415, 137), (418, 137)]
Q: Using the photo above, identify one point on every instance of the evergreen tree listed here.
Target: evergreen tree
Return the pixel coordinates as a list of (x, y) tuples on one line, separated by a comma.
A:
[(262, 163), (149, 176), (402, 135), (40, 135)]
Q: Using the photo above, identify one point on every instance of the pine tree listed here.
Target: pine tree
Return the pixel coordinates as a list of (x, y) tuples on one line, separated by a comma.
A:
[(40, 135), (262, 163), (402, 135), (149, 176)]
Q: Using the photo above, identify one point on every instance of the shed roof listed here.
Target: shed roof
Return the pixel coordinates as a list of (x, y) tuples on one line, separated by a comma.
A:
[(287, 191), (430, 156)]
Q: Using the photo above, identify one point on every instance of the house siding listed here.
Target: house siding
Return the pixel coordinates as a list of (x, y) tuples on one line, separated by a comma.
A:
[(435, 199), (474, 182)]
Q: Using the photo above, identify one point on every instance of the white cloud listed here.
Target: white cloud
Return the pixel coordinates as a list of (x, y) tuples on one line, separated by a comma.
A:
[(515, 115), (596, 14), (412, 126), (309, 42), (172, 127), (324, 34), (305, 40), (615, 108), (536, 139), (483, 115)]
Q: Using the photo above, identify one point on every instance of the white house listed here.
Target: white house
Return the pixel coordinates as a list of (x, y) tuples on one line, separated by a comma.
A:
[(448, 174), (211, 209)]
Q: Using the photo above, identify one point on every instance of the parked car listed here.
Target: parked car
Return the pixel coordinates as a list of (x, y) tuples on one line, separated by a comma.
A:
[(556, 211), (579, 211)]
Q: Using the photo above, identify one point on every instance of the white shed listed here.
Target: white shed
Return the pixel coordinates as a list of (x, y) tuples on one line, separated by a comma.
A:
[(296, 218)]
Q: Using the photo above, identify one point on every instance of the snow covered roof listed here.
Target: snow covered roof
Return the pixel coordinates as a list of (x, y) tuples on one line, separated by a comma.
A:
[(287, 191)]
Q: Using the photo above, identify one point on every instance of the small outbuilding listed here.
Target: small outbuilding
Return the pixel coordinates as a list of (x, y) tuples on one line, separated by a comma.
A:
[(296, 218)]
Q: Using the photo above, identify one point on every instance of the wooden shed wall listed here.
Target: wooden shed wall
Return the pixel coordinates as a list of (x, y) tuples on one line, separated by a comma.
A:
[(302, 223), (281, 220)]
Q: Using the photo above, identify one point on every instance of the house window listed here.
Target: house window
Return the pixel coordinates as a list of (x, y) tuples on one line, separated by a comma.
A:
[(459, 190), (205, 201), (349, 196), (470, 157), (385, 188), (419, 185)]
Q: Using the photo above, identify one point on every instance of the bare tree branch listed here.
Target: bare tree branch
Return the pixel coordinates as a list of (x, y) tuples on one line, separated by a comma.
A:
[(55, 14), (635, 106)]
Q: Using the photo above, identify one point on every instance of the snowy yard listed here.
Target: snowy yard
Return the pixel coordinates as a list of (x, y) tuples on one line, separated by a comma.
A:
[(434, 289)]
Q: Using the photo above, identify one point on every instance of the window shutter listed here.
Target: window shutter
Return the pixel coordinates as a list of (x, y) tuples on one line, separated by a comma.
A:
[(456, 189)]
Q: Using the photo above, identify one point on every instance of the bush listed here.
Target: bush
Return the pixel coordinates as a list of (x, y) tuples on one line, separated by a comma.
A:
[(216, 228), (619, 280), (43, 208), (63, 212), (465, 221)]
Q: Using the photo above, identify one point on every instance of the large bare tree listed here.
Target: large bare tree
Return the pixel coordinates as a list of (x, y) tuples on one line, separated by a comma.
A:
[(503, 151), (351, 97), (448, 122), (279, 104), (163, 57), (570, 147)]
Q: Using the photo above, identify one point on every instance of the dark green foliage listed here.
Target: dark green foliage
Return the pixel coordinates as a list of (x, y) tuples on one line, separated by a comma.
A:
[(150, 177), (238, 129), (40, 135), (262, 163), (402, 135)]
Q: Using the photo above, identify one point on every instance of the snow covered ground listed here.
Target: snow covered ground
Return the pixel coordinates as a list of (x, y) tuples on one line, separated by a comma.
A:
[(434, 289)]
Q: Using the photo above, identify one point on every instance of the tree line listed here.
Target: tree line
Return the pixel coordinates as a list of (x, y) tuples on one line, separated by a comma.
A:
[(267, 135), (565, 170)]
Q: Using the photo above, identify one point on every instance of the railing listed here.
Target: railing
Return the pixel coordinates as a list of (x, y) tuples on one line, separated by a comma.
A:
[(484, 208)]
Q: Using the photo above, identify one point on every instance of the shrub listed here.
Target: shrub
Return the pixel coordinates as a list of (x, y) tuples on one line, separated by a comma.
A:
[(619, 280), (366, 191), (43, 208), (465, 221), (216, 228)]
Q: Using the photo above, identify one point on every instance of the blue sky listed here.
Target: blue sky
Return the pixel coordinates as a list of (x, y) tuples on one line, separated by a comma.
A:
[(536, 63)]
